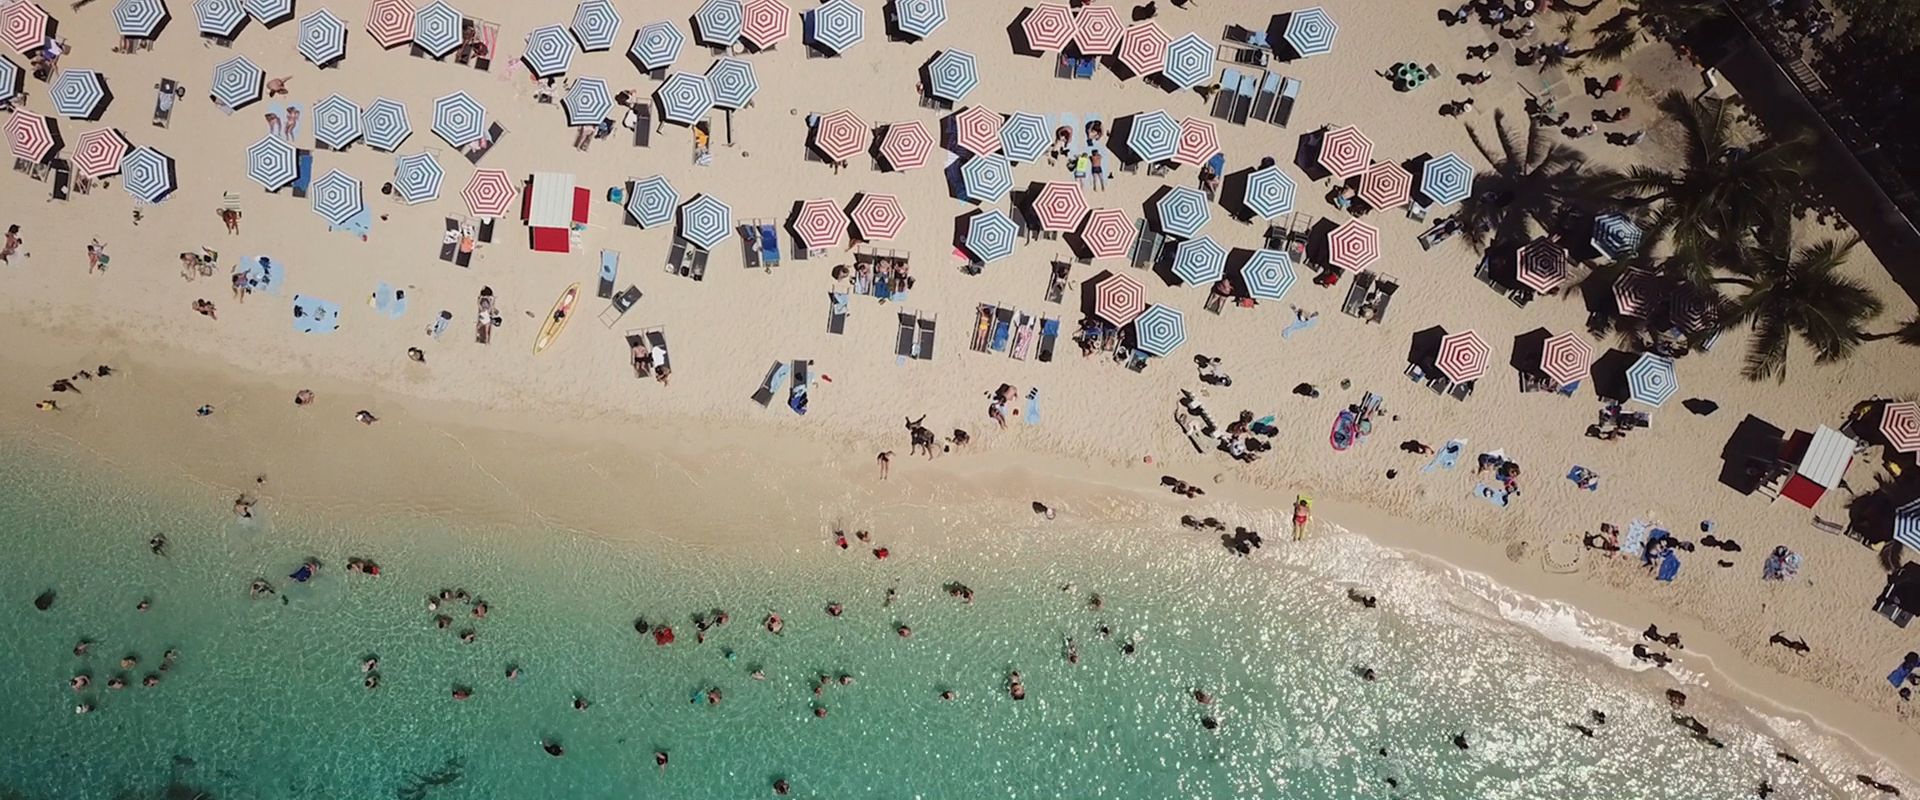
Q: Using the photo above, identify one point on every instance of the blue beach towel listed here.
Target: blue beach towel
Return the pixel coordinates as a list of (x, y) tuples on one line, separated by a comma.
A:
[(361, 225), (1491, 495), (1448, 455), (1579, 474), (1033, 406), (264, 274), (1669, 566), (1299, 325), (313, 315), (382, 298), (440, 324), (1899, 675)]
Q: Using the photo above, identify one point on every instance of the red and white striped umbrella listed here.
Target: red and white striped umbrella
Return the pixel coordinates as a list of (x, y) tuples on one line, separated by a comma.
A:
[(906, 145), (1354, 245), (818, 223), (1541, 265), (1106, 233), (489, 193), (1900, 423), (1119, 298), (33, 136), (1059, 206), (977, 128), (1097, 30), (1386, 185), (390, 22), (1143, 48), (98, 152), (1198, 142), (1464, 356), (1049, 26), (878, 216), (1345, 152), (1635, 292), (840, 135), (766, 23), (1566, 358), (25, 24)]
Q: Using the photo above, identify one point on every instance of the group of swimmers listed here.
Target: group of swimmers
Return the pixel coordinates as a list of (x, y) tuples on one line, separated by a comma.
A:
[(67, 385), (83, 679)]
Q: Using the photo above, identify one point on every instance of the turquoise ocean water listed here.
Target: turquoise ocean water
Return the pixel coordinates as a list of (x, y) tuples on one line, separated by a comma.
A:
[(266, 699)]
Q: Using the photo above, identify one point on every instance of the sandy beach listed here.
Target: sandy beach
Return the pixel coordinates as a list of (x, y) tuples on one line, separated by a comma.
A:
[(569, 436)]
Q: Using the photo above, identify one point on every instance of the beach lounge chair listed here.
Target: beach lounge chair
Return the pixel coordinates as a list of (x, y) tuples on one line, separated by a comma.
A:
[(494, 132), (1243, 101), (769, 245), (642, 125), (1002, 330), (1146, 245), (679, 260), (836, 313), (166, 92), (636, 347), (982, 327), (1384, 287), (1283, 110), (797, 396), (657, 339), (776, 377), (490, 43), (621, 304), (1025, 331), (749, 245), (1230, 80), (1267, 97), (699, 269), (1049, 337), (903, 335), (923, 348), (62, 179), (450, 240), (1358, 291), (1057, 282)]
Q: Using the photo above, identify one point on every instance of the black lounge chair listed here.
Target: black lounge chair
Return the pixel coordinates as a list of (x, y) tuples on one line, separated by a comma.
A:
[(622, 303), (923, 349), (903, 338)]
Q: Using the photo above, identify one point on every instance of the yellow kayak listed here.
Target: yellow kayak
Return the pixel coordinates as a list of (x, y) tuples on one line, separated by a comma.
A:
[(557, 318)]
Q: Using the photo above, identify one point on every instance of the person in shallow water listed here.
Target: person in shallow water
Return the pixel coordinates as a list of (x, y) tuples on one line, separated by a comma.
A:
[(553, 748)]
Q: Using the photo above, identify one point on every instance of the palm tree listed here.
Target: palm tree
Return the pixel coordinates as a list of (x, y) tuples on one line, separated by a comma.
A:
[(1658, 19), (1798, 293), (1908, 333), (1531, 180)]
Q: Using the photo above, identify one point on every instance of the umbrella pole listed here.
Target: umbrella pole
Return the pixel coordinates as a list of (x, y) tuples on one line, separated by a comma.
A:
[(729, 127)]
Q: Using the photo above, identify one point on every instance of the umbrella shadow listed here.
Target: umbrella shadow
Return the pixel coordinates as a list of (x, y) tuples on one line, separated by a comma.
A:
[(1610, 374), (1118, 67), (1426, 347), (1306, 155), (1237, 259), (1283, 50), (875, 136), (926, 84), (1090, 292), (1528, 348), (1317, 249), (957, 182), (1017, 35), (1163, 265), (1151, 208), (1749, 453), (1233, 195), (1119, 139)]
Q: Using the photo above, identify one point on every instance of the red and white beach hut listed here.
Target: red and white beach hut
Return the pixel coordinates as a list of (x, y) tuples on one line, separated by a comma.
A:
[(1820, 460), (551, 205)]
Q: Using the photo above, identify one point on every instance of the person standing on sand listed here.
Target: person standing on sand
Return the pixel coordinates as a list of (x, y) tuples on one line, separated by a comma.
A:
[(886, 462), (96, 257), (13, 245)]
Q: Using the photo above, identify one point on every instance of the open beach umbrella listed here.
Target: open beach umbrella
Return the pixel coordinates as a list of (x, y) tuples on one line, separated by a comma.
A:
[(588, 103), (684, 98), (651, 201), (951, 75), (459, 119), (1693, 312), (1188, 62), (416, 178), (1048, 26), (733, 82), (436, 28), (25, 24), (220, 19), (148, 175), (906, 145), (1199, 141), (385, 124), (33, 137), (840, 135), (656, 45), (238, 82), (818, 224), (1353, 245), (270, 162), (1310, 32), (390, 22), (1181, 211), (990, 235), (323, 38), (1447, 179), (1159, 330), (1386, 185), (977, 130), (549, 51), (1906, 524), (1269, 192), (1153, 136), (1143, 48), (98, 152), (1463, 356), (1899, 425), (835, 26), (1635, 292), (11, 78), (766, 23), (1268, 274), (1345, 152), (79, 94), (878, 217), (1058, 206), (1615, 236), (1652, 379), (919, 18), (1199, 262), (1106, 233), (1024, 136), (140, 19), (1119, 298), (269, 12), (705, 221), (1541, 265), (490, 192), (336, 122), (1566, 358), (717, 23), (1097, 30), (596, 24), (337, 198), (986, 178)]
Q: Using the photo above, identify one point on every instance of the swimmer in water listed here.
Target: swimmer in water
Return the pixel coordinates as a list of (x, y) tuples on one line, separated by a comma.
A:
[(372, 681), (758, 674), (819, 712), (1460, 740), (891, 596), (116, 683), (774, 624), (835, 609), (150, 681), (1015, 687), (467, 636), (433, 603), (480, 609), (1095, 602), (461, 692), (1599, 717), (372, 663), (947, 694), (83, 708), (840, 539), (442, 621), (80, 682), (259, 588), (660, 759), (158, 544), (143, 605), (1073, 651), (513, 672), (580, 703), (80, 647), (904, 631), (1210, 723), (1584, 730), (713, 696), (781, 787), (1366, 673), (846, 679), (130, 661), (1203, 697), (553, 748)]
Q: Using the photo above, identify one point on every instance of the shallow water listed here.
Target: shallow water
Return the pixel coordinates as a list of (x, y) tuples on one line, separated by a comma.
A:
[(267, 702)]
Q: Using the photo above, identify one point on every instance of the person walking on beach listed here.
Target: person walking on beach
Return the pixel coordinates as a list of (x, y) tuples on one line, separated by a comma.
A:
[(96, 257), (885, 460), (13, 245)]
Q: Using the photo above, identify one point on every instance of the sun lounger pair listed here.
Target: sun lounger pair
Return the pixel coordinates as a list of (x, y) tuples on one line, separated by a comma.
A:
[(686, 260), (915, 336), (494, 132), (651, 341)]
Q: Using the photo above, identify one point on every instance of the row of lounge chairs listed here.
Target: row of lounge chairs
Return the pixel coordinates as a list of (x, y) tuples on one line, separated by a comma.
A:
[(1017, 333), (1262, 95), (914, 337), (1369, 295)]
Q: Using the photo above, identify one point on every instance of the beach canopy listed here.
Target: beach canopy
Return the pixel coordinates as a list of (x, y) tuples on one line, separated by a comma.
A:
[(489, 193), (1652, 379), (952, 75), (990, 235), (1024, 136), (1463, 356), (1566, 358), (656, 45), (1097, 30), (1269, 192), (140, 19), (323, 38), (549, 51), (1058, 206), (1181, 211), (1143, 48), (459, 119), (717, 23), (650, 201), (1188, 62), (588, 103), (1345, 152), (878, 217), (1825, 456), (26, 25), (766, 23), (1199, 262), (148, 175), (1906, 524), (818, 224), (337, 198), (1198, 143), (1615, 236), (1119, 298), (1159, 330), (1386, 185), (79, 94), (906, 145), (220, 19), (1310, 32), (33, 137), (270, 162), (1353, 245), (705, 221), (734, 83), (436, 28), (11, 77), (1635, 292), (840, 135), (1446, 179), (835, 26), (1106, 233), (390, 22), (684, 98), (269, 12), (1541, 265), (98, 152), (919, 18), (336, 122), (986, 178), (1268, 274), (385, 124), (237, 82), (1153, 136), (1899, 421), (1048, 26), (976, 129), (596, 24), (417, 177)]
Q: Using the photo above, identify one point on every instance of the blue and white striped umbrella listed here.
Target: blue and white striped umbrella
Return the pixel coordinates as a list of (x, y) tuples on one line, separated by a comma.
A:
[(596, 24), (270, 161), (1182, 212), (717, 22), (1616, 236), (656, 45), (79, 94), (269, 12), (835, 26), (1446, 179), (220, 19), (705, 221), (386, 124), (1652, 379), (336, 197), (1269, 192), (1310, 31), (148, 175), (733, 82), (140, 19), (416, 178), (684, 98), (1159, 330), (1154, 136), (991, 235), (237, 82), (1268, 274), (1199, 262), (459, 119), (1188, 62), (1024, 136), (549, 51), (951, 75), (436, 28), (336, 122), (10, 78), (987, 178), (588, 103), (1906, 525), (651, 201), (919, 18), (323, 38)]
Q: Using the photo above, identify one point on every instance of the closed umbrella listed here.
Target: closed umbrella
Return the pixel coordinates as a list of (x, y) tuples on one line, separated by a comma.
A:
[(651, 201), (1181, 212), (1447, 179), (951, 75), (459, 119), (436, 28), (1652, 379), (1159, 330), (336, 122), (1119, 298), (385, 124), (323, 38), (977, 130), (1058, 206), (1024, 136), (766, 23), (390, 22), (717, 23), (1268, 274), (919, 18), (1188, 62), (1199, 262), (1269, 192), (1143, 48), (878, 217), (337, 198), (270, 162), (835, 26), (705, 221), (417, 177), (1353, 246), (1463, 356), (596, 24), (489, 193), (549, 51), (906, 145), (990, 235), (986, 178), (588, 102), (840, 135), (656, 45), (148, 175), (237, 82), (1106, 233), (98, 152), (733, 82)]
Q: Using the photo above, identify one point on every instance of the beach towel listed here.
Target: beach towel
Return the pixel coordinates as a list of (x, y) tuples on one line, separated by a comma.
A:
[(1636, 539), (1584, 478), (313, 315), (839, 302), (1033, 406), (1899, 675), (263, 273), (1491, 495), (440, 324), (1669, 566), (1448, 455), (1300, 325), (1782, 567)]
